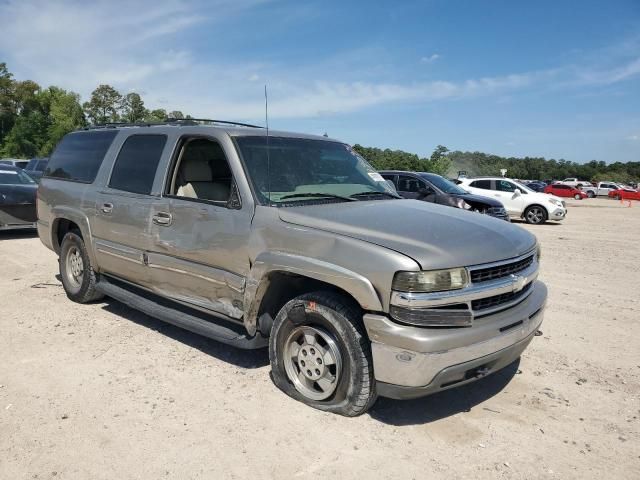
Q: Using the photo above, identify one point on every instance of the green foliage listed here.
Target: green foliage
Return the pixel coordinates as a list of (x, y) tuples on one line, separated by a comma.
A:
[(133, 109), (33, 120), (104, 105), (157, 115), (399, 160)]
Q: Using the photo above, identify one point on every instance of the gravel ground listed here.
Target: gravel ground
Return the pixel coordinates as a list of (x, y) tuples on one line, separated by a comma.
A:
[(102, 391)]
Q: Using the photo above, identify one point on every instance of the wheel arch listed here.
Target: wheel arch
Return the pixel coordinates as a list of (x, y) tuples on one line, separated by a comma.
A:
[(276, 278), (66, 220)]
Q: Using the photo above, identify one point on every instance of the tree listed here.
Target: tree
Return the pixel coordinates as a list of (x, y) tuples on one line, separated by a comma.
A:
[(65, 115), (6, 108), (439, 162), (157, 115), (176, 114), (133, 109), (104, 105)]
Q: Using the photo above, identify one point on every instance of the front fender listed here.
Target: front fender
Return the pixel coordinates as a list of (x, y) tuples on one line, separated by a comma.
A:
[(358, 286)]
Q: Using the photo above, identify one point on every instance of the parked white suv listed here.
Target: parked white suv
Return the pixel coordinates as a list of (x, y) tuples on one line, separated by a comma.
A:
[(519, 200)]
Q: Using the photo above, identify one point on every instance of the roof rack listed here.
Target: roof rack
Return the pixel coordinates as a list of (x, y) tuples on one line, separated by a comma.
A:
[(170, 121)]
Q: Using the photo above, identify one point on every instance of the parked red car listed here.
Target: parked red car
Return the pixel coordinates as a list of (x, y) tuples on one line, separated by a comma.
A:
[(625, 194), (560, 190)]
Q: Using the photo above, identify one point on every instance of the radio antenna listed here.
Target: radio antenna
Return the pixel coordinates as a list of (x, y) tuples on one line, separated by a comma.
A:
[(266, 121)]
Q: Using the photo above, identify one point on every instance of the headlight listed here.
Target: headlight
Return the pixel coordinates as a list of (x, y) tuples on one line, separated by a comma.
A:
[(556, 202), (431, 281)]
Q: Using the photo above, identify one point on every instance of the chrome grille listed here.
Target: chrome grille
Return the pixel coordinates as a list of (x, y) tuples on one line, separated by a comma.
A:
[(497, 300), (499, 271)]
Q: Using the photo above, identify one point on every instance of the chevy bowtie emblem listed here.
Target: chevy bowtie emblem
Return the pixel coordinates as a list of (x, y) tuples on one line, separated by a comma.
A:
[(518, 282)]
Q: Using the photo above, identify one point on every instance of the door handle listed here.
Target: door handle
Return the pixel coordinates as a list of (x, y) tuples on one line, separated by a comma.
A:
[(162, 218), (107, 207)]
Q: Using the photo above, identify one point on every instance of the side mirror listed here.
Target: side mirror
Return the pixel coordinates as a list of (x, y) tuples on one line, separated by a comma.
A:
[(517, 193), (391, 185), (425, 191)]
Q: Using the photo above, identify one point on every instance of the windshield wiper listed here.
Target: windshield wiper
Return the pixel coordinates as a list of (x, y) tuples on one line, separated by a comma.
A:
[(318, 195), (364, 194)]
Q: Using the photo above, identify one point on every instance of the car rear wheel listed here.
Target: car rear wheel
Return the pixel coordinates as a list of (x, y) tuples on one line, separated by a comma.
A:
[(320, 354), (618, 197), (591, 194), (535, 215), (78, 278)]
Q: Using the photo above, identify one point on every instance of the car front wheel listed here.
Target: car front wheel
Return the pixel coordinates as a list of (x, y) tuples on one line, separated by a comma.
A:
[(535, 215), (320, 354), (577, 196)]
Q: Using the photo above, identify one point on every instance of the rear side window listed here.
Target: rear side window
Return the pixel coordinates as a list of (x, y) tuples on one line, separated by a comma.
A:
[(484, 184), (79, 155), (137, 162)]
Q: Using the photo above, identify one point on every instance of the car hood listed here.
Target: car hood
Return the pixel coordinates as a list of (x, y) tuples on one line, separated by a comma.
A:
[(472, 197), (435, 236)]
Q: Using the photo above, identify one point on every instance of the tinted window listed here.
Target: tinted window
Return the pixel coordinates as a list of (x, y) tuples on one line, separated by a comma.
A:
[(14, 177), (484, 184), (409, 184), (137, 162), (42, 164), (79, 155), (504, 186)]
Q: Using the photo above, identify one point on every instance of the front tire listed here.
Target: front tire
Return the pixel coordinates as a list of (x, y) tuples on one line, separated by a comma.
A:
[(591, 194), (535, 215), (78, 278), (577, 196), (320, 354)]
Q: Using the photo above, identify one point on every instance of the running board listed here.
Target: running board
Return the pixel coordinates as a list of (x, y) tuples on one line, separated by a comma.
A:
[(211, 328)]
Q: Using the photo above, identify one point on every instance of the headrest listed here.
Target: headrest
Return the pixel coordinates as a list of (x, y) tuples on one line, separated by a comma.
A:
[(196, 170)]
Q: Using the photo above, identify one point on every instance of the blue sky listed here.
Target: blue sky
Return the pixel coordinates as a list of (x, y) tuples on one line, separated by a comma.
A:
[(559, 79)]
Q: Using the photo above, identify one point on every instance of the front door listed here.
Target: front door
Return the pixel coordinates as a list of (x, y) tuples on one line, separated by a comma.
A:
[(510, 196), (201, 231)]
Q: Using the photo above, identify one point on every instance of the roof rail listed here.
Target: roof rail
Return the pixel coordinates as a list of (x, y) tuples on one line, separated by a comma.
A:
[(169, 121)]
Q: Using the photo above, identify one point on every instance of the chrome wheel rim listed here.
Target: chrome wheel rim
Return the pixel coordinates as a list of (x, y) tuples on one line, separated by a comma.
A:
[(75, 267), (313, 362), (535, 215)]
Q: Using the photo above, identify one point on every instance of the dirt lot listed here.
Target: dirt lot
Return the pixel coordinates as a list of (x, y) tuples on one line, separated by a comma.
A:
[(101, 391)]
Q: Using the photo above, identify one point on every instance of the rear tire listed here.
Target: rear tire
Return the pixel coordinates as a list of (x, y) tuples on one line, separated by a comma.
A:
[(321, 356), (78, 278), (591, 194), (535, 215)]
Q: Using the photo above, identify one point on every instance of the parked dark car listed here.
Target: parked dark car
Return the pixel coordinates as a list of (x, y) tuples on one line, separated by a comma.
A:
[(15, 162), (17, 198), (36, 167), (433, 188), (536, 186)]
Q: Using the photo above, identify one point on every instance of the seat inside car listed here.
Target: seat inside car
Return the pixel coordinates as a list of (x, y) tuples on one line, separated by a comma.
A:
[(203, 172)]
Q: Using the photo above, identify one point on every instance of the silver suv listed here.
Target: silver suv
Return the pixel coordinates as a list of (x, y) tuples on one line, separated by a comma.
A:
[(257, 238)]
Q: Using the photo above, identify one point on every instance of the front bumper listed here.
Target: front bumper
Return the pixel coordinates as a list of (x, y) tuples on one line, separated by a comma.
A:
[(558, 214), (411, 361)]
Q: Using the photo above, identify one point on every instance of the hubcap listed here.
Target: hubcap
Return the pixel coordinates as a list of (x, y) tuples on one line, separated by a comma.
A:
[(535, 215), (75, 267), (313, 362)]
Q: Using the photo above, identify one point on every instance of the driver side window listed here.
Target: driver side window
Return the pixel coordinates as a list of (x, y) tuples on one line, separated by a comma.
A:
[(504, 186), (202, 172)]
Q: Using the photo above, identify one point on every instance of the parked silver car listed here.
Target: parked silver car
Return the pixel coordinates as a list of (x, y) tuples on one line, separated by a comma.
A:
[(295, 242)]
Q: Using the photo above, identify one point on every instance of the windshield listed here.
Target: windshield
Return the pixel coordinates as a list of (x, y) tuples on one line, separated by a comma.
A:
[(441, 183), (297, 166), (14, 177)]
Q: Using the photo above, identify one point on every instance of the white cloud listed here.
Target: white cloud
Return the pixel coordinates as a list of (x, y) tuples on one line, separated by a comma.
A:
[(633, 137), (430, 59), (79, 45)]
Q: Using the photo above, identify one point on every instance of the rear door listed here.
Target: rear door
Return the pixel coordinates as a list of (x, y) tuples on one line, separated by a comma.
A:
[(123, 222), (201, 227), (17, 198)]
